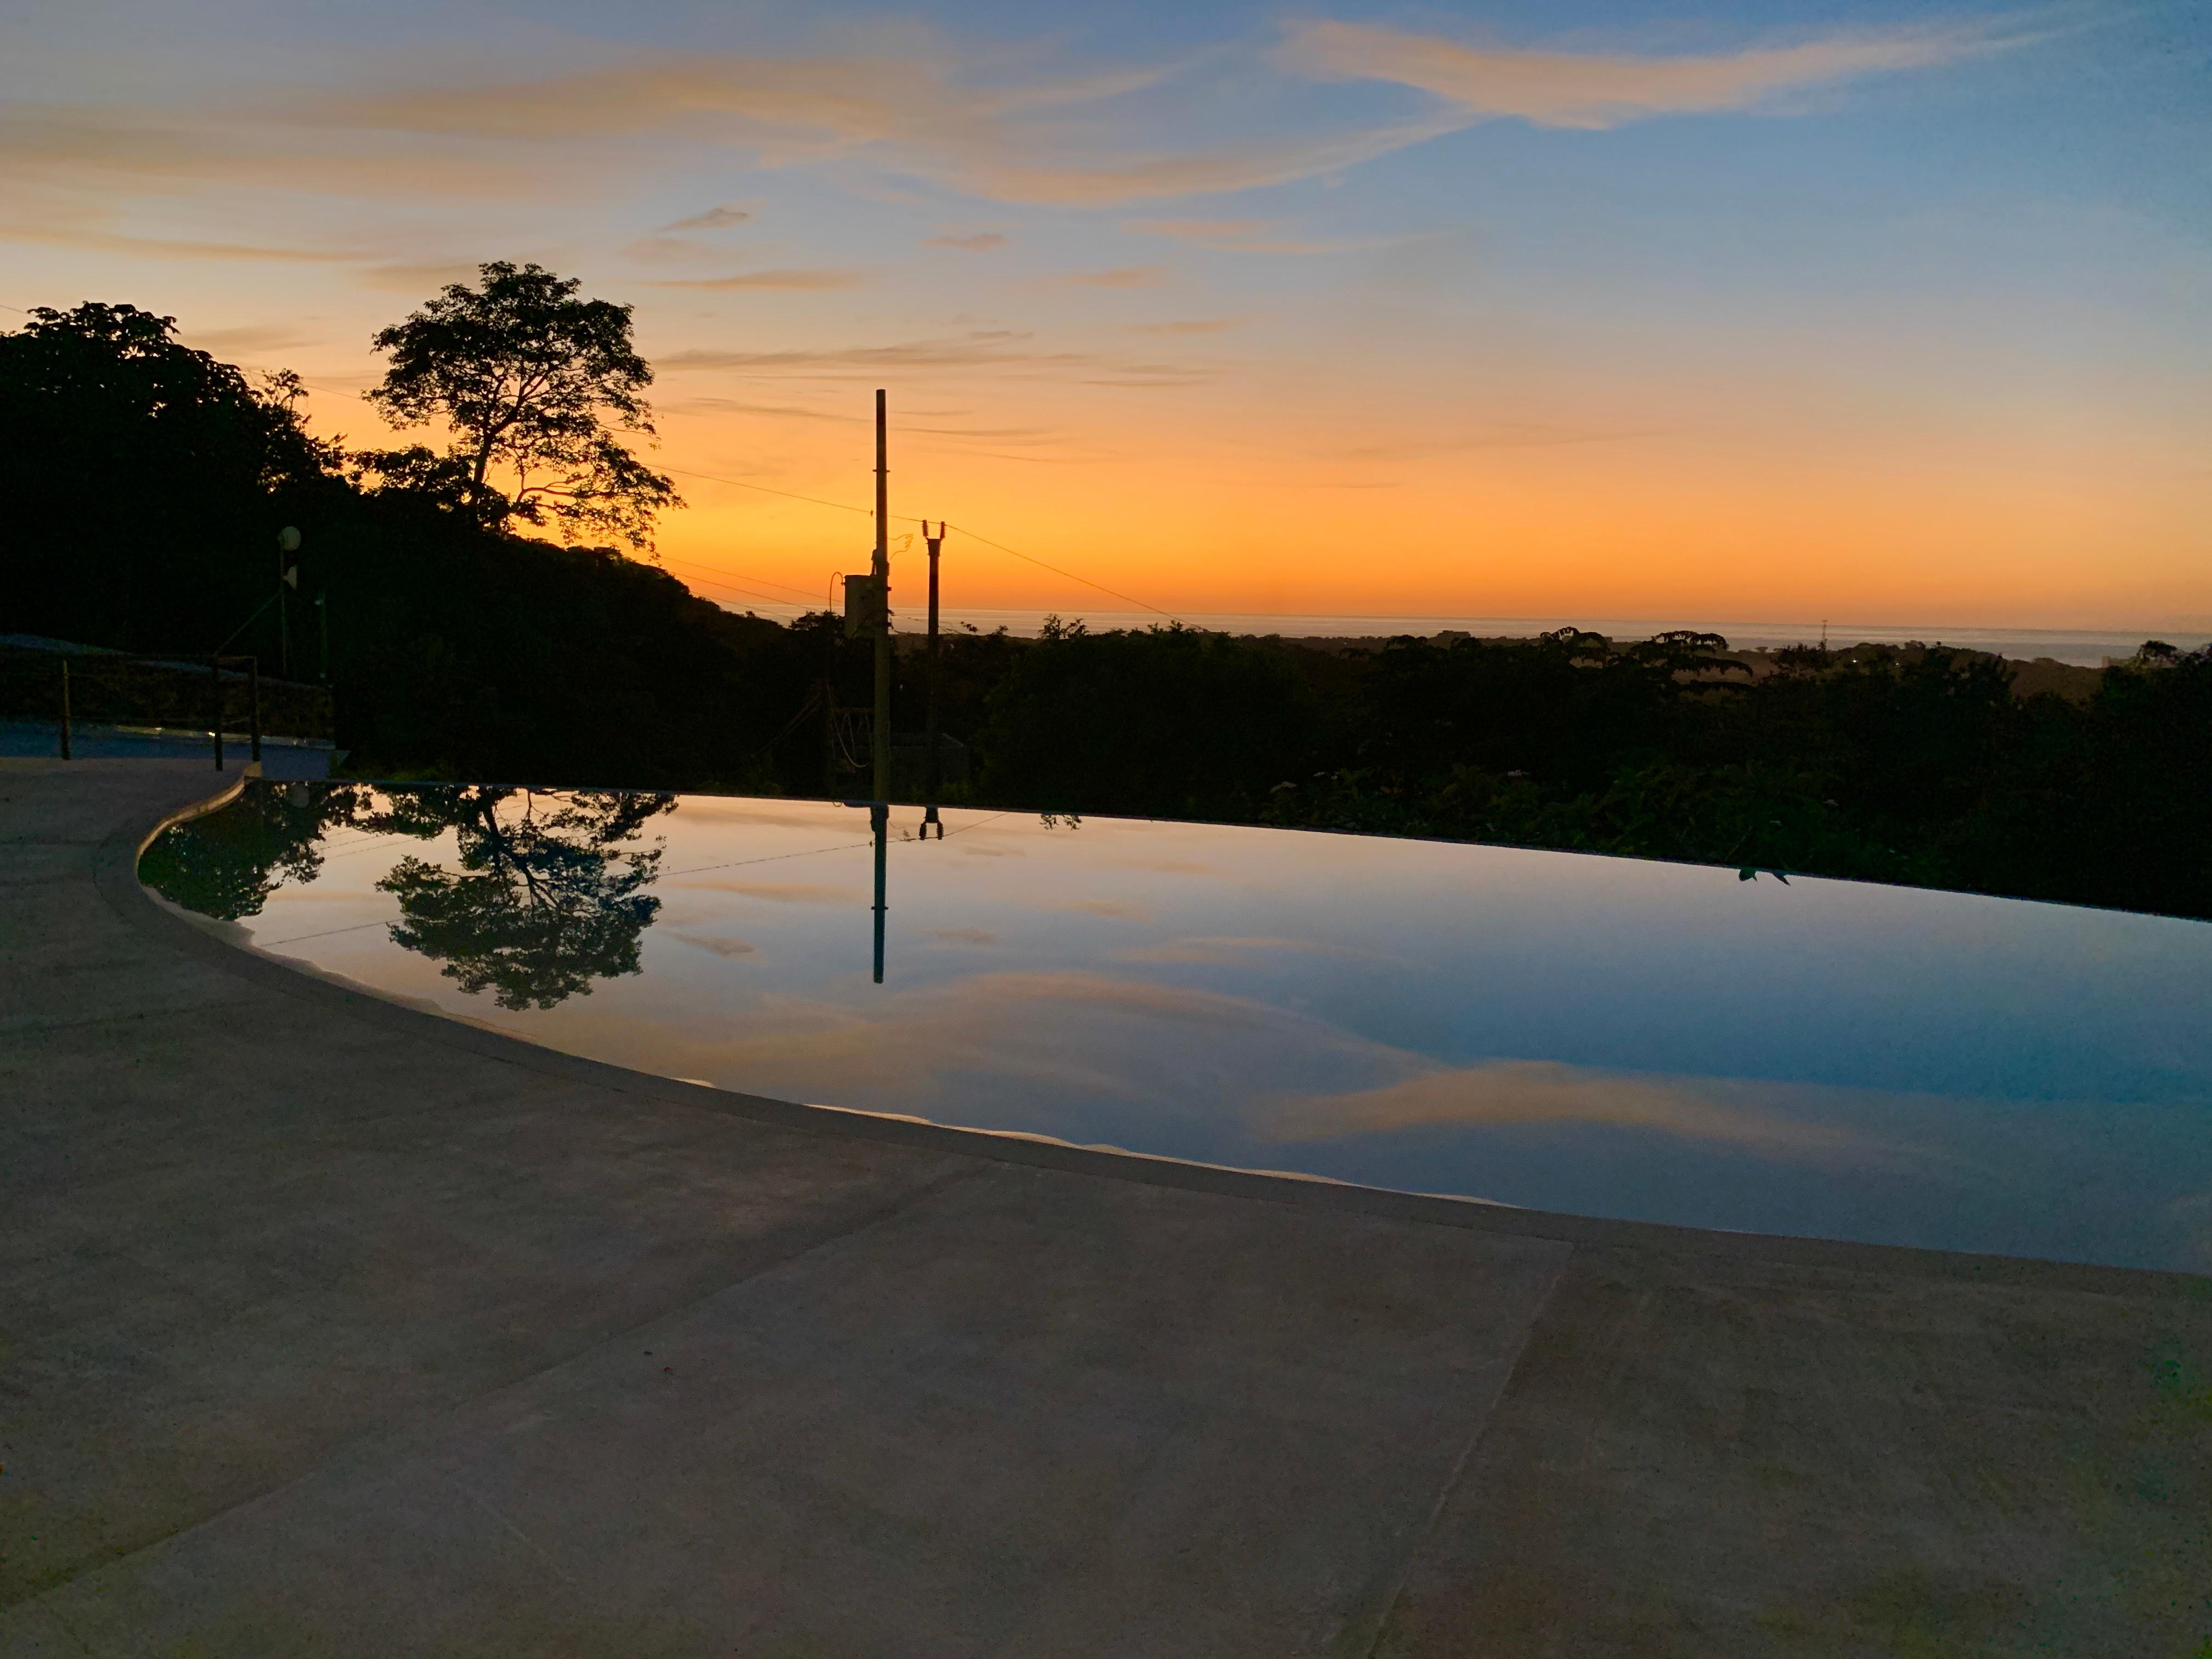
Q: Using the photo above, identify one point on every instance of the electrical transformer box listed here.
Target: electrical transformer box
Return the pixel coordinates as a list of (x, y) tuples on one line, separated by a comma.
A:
[(864, 606)]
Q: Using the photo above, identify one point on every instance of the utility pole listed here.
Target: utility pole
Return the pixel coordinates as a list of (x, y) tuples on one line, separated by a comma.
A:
[(879, 812), (934, 773), (883, 598)]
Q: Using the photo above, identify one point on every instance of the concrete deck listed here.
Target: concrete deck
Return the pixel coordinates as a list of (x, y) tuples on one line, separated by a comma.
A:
[(328, 1326)]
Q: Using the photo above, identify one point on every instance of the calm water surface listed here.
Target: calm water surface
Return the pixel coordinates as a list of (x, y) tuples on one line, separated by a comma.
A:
[(1655, 1042)]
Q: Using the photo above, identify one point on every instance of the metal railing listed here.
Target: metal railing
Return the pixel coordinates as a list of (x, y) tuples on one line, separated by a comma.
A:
[(160, 697)]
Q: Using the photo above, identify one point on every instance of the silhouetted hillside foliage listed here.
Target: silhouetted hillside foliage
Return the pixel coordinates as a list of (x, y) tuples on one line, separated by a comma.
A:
[(145, 484)]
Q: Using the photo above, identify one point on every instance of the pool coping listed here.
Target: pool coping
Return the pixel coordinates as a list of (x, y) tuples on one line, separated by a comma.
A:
[(115, 877)]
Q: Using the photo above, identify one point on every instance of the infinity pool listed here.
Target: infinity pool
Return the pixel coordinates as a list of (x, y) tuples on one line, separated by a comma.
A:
[(1655, 1042)]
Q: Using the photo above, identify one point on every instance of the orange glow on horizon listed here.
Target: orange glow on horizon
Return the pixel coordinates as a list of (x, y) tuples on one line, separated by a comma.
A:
[(1892, 323)]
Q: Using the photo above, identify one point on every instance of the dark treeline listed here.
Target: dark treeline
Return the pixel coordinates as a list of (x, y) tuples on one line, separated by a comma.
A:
[(1919, 767), (144, 484)]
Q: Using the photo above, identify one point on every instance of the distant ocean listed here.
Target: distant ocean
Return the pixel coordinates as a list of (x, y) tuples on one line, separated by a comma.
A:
[(2088, 647)]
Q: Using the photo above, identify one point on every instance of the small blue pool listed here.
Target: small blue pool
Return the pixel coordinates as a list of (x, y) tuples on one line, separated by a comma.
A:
[(1653, 1042)]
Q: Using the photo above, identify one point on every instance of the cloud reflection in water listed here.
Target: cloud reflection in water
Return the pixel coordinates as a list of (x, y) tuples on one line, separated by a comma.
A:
[(1604, 1036)]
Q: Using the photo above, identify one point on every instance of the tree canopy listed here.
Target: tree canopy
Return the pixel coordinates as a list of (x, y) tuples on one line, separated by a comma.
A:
[(127, 459), (532, 383)]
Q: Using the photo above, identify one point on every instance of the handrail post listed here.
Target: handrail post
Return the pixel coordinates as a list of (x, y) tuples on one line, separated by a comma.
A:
[(253, 670), (215, 680), (65, 710)]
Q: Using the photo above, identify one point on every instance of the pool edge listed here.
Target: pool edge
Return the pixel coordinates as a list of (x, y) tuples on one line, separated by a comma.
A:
[(115, 879)]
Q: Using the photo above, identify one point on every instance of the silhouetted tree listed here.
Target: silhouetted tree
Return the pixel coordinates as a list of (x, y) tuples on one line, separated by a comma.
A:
[(526, 376)]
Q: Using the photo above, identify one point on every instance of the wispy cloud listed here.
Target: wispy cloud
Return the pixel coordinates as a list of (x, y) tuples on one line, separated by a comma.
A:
[(418, 276), (736, 406), (1246, 236), (714, 218), (1191, 326), (1206, 171), (960, 352), (1120, 277), (1595, 90), (249, 337), (1093, 138), (995, 351), (163, 247), (724, 948), (1113, 909), (1224, 952), (796, 281), (1201, 230), (996, 435), (1488, 434), (915, 115), (89, 148)]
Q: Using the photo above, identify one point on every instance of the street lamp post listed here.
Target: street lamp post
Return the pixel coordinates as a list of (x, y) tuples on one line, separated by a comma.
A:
[(287, 575)]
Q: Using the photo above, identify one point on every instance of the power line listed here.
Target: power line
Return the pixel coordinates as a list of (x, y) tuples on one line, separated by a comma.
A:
[(789, 494), (1115, 591), (772, 857), (847, 507), (690, 564), (743, 592), (741, 576), (381, 921), (732, 587)]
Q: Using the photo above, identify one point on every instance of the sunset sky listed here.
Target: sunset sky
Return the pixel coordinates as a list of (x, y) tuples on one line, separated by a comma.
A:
[(1890, 312)]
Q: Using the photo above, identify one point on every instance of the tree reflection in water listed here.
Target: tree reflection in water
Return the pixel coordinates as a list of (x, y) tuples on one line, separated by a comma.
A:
[(226, 864), (548, 897)]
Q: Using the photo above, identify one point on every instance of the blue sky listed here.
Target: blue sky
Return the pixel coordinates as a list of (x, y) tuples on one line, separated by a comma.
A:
[(1777, 309)]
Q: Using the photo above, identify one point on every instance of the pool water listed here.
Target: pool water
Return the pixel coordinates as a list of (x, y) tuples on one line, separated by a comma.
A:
[(1607, 1036)]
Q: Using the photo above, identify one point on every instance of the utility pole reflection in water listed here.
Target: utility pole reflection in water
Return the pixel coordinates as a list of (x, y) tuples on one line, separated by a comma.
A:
[(879, 817)]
